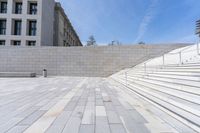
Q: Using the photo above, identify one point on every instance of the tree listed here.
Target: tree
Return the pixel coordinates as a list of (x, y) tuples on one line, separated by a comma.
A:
[(91, 41), (141, 43), (114, 43)]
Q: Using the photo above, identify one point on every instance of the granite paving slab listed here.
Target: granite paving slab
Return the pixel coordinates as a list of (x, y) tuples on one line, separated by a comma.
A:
[(78, 105)]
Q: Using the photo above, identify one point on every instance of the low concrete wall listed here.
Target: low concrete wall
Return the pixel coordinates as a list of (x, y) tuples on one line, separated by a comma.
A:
[(78, 61)]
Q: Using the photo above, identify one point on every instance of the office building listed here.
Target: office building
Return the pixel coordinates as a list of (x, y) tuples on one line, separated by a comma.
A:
[(34, 23)]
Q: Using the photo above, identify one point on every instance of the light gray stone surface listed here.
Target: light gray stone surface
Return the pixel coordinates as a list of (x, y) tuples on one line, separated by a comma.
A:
[(78, 61), (72, 106)]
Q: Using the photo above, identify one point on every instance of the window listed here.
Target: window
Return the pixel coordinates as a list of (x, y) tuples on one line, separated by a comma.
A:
[(33, 8), (17, 27), (65, 32), (31, 43), (16, 43), (64, 43), (32, 28), (18, 8), (2, 27), (2, 42), (3, 7)]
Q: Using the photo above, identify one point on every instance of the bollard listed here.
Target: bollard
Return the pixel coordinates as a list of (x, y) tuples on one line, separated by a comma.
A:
[(44, 73)]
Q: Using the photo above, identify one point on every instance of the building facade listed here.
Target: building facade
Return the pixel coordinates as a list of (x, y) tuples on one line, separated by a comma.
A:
[(28, 23), (64, 33)]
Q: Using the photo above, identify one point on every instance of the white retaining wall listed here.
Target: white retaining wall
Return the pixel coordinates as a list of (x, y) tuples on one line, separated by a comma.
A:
[(78, 61)]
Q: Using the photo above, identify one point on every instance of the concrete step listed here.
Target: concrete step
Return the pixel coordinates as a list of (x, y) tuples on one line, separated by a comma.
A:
[(184, 97), (170, 75), (169, 80), (184, 65), (182, 68), (191, 78), (194, 72), (190, 115), (158, 111), (17, 74), (166, 70), (174, 80), (178, 74), (172, 70), (192, 62), (184, 88)]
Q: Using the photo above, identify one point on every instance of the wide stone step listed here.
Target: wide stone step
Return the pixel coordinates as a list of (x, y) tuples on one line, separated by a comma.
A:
[(155, 109), (195, 74), (179, 73), (179, 70), (169, 75), (190, 116), (170, 80), (184, 65), (182, 68), (191, 78), (191, 99), (174, 80), (173, 95), (169, 70), (196, 67), (17, 74), (164, 97), (184, 88)]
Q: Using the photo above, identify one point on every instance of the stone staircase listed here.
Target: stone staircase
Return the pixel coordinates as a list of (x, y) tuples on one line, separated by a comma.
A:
[(175, 89)]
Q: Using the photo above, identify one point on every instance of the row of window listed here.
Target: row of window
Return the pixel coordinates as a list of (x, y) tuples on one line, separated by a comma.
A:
[(17, 7), (18, 43), (68, 34), (72, 43), (17, 27)]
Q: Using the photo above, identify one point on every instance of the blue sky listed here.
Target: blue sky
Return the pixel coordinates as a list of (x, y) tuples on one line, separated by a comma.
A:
[(132, 21)]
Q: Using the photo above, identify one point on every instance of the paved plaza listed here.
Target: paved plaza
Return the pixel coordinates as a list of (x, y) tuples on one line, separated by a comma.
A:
[(78, 105)]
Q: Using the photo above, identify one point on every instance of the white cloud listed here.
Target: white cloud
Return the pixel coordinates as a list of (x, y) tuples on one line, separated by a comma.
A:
[(148, 17)]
